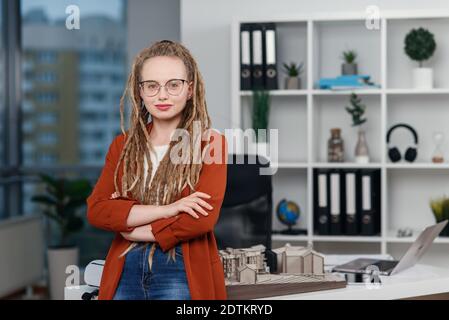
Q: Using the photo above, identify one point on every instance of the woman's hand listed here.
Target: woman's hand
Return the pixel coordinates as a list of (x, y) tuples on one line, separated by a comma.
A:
[(142, 233), (190, 205)]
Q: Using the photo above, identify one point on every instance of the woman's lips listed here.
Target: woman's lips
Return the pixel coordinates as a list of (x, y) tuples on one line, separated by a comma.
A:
[(163, 107)]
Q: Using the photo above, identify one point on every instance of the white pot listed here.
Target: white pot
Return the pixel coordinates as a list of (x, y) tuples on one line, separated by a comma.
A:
[(58, 260), (423, 78), (362, 159)]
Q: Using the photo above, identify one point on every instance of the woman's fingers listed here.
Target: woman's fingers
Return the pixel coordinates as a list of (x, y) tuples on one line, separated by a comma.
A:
[(203, 203), (190, 211), (201, 194)]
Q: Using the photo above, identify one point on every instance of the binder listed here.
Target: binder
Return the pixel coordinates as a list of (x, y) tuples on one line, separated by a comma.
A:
[(321, 201), (351, 189), (245, 56), (257, 72), (370, 202), (335, 211), (269, 56)]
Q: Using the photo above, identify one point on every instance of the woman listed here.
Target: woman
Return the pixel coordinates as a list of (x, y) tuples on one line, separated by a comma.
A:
[(161, 197)]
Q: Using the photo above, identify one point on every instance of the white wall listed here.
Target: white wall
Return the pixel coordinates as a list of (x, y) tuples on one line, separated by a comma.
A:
[(206, 24), (150, 21)]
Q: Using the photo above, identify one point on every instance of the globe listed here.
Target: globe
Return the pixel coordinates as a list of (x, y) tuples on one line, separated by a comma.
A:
[(288, 213)]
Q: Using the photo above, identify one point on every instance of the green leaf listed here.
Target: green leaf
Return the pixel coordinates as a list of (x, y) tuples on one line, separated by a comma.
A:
[(420, 44)]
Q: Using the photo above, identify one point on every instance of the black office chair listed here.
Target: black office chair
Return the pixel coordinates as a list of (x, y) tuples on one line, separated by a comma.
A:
[(246, 213)]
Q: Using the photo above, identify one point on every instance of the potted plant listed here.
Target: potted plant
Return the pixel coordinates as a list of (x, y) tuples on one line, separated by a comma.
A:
[(293, 71), (420, 46), (440, 209), (60, 201), (260, 116), (349, 67), (357, 110)]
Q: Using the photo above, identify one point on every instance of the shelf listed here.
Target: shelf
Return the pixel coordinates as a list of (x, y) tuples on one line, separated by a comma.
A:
[(345, 165), (418, 166), (346, 92), (290, 165), (283, 237), (286, 93), (305, 117), (417, 91), (347, 238)]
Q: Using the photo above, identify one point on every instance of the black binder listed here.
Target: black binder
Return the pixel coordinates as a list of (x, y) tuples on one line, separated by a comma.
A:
[(335, 205), (257, 72), (245, 56), (370, 197), (350, 202), (321, 201), (269, 56)]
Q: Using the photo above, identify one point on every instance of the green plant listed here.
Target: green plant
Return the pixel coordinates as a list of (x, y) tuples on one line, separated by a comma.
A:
[(261, 110), (293, 70), (440, 208), (349, 56), (357, 110), (420, 45), (61, 200)]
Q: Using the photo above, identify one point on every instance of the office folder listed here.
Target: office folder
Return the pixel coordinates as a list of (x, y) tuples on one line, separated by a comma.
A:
[(257, 72), (335, 202), (351, 188), (370, 202), (269, 56), (245, 56), (321, 201)]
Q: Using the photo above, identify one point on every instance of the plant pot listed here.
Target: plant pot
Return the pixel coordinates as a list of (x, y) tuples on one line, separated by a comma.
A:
[(423, 78), (361, 149), (349, 68), (58, 260), (292, 83)]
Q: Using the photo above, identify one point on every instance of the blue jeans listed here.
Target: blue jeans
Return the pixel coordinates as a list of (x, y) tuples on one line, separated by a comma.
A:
[(167, 279)]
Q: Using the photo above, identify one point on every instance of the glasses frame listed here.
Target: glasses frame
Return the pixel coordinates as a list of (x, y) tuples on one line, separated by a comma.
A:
[(160, 86)]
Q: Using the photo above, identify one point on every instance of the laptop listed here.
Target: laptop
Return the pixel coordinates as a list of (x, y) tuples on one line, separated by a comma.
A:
[(390, 267)]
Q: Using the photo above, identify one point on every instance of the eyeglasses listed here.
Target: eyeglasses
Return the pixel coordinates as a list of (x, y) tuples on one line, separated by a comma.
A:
[(151, 88)]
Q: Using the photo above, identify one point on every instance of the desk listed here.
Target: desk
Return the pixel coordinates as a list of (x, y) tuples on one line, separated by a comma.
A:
[(420, 280)]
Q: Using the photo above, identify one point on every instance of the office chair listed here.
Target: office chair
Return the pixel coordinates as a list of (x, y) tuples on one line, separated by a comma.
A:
[(246, 212)]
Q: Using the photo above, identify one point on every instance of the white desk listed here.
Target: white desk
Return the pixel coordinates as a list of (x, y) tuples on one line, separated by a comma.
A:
[(420, 280)]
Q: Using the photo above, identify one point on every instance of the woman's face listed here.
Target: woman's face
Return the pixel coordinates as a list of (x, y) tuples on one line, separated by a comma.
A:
[(160, 70)]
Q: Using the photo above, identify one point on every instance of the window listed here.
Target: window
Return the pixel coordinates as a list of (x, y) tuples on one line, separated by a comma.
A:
[(69, 74), (66, 87), (47, 57), (47, 138), (47, 118)]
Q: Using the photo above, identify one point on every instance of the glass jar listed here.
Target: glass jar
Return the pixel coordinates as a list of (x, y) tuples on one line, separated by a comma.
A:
[(335, 146), (438, 139)]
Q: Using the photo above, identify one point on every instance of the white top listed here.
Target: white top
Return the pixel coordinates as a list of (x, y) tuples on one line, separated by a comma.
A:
[(155, 160)]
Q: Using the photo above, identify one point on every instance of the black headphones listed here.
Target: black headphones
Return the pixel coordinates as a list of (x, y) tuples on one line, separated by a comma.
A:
[(411, 153)]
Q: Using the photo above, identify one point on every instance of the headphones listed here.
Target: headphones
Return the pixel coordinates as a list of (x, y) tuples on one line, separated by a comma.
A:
[(410, 153)]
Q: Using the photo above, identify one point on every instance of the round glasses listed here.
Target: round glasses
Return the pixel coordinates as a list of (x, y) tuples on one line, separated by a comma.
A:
[(151, 88)]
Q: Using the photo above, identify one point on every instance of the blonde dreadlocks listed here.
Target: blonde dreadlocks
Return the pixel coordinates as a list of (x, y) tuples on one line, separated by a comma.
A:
[(169, 179)]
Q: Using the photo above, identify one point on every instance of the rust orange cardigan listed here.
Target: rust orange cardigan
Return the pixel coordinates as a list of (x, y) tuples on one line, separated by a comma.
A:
[(203, 267)]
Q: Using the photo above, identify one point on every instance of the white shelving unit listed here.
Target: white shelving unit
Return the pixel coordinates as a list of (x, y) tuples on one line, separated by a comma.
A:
[(304, 118)]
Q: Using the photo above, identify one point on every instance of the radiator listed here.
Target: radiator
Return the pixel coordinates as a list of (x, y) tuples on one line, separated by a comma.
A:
[(21, 253)]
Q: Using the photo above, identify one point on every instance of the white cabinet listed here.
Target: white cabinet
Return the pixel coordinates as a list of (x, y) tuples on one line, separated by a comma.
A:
[(304, 118)]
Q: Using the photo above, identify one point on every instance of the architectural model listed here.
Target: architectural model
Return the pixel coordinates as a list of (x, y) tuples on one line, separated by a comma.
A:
[(299, 269)]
